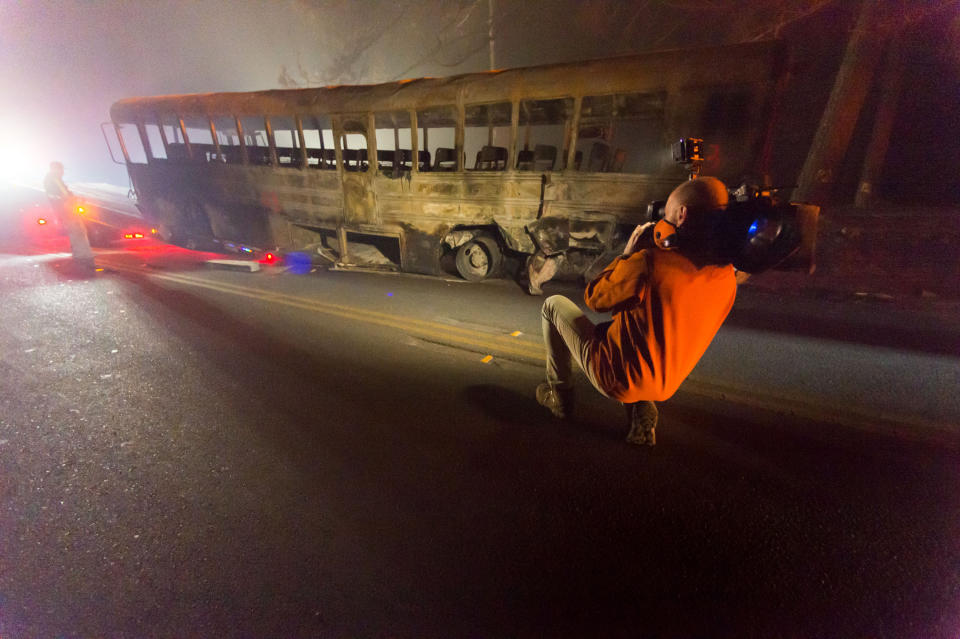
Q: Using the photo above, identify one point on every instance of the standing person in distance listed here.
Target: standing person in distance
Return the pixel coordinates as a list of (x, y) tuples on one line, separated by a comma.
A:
[(63, 203)]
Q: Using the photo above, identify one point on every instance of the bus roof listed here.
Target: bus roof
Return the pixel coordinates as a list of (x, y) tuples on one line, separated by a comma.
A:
[(667, 70)]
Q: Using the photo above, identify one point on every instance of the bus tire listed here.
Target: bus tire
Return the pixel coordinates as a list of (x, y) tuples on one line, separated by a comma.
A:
[(479, 258)]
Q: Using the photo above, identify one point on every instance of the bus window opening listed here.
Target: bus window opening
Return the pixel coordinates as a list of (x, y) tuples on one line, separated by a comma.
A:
[(201, 140), (318, 142), (622, 133), (228, 139), (545, 135), (158, 150), (176, 144), (394, 144), (256, 140), (437, 134), (486, 136), (287, 140), (353, 143), (132, 143)]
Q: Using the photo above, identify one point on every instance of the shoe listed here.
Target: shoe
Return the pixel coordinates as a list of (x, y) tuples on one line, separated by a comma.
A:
[(643, 418), (558, 402)]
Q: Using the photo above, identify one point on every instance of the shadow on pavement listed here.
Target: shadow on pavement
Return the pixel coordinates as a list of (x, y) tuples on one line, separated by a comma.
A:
[(592, 413)]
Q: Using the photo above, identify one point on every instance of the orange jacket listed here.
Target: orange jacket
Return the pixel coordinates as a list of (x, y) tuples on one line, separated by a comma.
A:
[(665, 314)]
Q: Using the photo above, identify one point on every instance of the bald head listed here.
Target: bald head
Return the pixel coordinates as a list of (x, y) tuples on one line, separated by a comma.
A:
[(694, 198)]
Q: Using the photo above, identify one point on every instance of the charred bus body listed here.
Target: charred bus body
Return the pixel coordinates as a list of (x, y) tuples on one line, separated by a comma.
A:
[(541, 161)]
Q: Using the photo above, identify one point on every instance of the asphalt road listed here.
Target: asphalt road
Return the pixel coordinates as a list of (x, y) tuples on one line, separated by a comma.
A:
[(199, 453)]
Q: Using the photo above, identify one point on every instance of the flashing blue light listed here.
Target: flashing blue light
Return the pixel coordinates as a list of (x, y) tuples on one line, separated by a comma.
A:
[(753, 229), (246, 250), (298, 263), (389, 294)]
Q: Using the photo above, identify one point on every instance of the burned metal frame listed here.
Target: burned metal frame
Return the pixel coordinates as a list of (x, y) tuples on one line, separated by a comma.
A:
[(569, 210)]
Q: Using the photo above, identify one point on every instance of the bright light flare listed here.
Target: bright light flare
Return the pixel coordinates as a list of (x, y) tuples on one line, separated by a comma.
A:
[(23, 158), (41, 221)]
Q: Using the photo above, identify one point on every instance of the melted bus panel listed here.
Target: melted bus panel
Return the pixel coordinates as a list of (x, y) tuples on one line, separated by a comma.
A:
[(550, 160)]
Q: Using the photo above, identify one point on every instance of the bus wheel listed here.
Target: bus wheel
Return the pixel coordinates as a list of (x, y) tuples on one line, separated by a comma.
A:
[(479, 258)]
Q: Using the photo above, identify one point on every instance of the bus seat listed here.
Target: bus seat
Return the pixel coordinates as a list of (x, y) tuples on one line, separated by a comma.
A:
[(423, 160), (288, 156), (544, 157), (177, 151), (597, 162), (204, 152), (617, 161), (445, 159), (491, 158), (406, 159), (355, 159), (577, 158), (525, 160), (330, 159), (322, 158), (259, 155), (386, 159), (231, 154)]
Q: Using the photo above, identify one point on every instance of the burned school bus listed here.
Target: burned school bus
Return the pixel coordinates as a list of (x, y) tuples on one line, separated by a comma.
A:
[(540, 161)]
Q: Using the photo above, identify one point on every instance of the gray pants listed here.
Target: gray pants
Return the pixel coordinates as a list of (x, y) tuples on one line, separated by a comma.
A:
[(567, 333), (77, 232)]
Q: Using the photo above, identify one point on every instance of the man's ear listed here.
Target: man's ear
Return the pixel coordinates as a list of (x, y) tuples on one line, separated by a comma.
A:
[(681, 214)]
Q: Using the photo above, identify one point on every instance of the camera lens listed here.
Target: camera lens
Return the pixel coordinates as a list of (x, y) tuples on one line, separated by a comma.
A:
[(656, 210)]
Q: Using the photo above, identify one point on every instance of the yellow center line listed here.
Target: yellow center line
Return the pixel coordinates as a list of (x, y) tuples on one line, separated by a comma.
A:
[(807, 407), (424, 328), (324, 306)]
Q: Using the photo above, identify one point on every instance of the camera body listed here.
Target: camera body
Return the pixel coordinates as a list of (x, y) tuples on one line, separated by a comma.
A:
[(754, 232), (688, 150)]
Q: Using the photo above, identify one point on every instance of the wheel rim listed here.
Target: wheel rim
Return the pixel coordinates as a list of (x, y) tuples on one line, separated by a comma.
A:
[(477, 262), (478, 258)]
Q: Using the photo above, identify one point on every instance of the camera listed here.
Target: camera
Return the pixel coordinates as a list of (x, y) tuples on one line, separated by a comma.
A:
[(754, 232), (688, 151), (757, 231)]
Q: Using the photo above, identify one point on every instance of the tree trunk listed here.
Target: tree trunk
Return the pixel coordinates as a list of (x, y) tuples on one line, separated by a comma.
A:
[(891, 83), (843, 108)]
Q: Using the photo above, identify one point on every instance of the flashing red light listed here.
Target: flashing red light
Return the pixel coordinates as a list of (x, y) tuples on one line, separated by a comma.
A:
[(269, 258), (41, 221), (128, 236), (138, 235)]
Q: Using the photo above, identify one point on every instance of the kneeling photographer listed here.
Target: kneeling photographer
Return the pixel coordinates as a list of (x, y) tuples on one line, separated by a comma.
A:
[(669, 293)]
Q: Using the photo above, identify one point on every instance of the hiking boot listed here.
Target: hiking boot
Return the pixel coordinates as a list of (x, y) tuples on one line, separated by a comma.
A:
[(559, 402), (643, 418)]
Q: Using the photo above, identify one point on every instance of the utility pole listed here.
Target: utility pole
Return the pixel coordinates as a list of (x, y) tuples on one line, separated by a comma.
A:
[(492, 67), (490, 32)]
